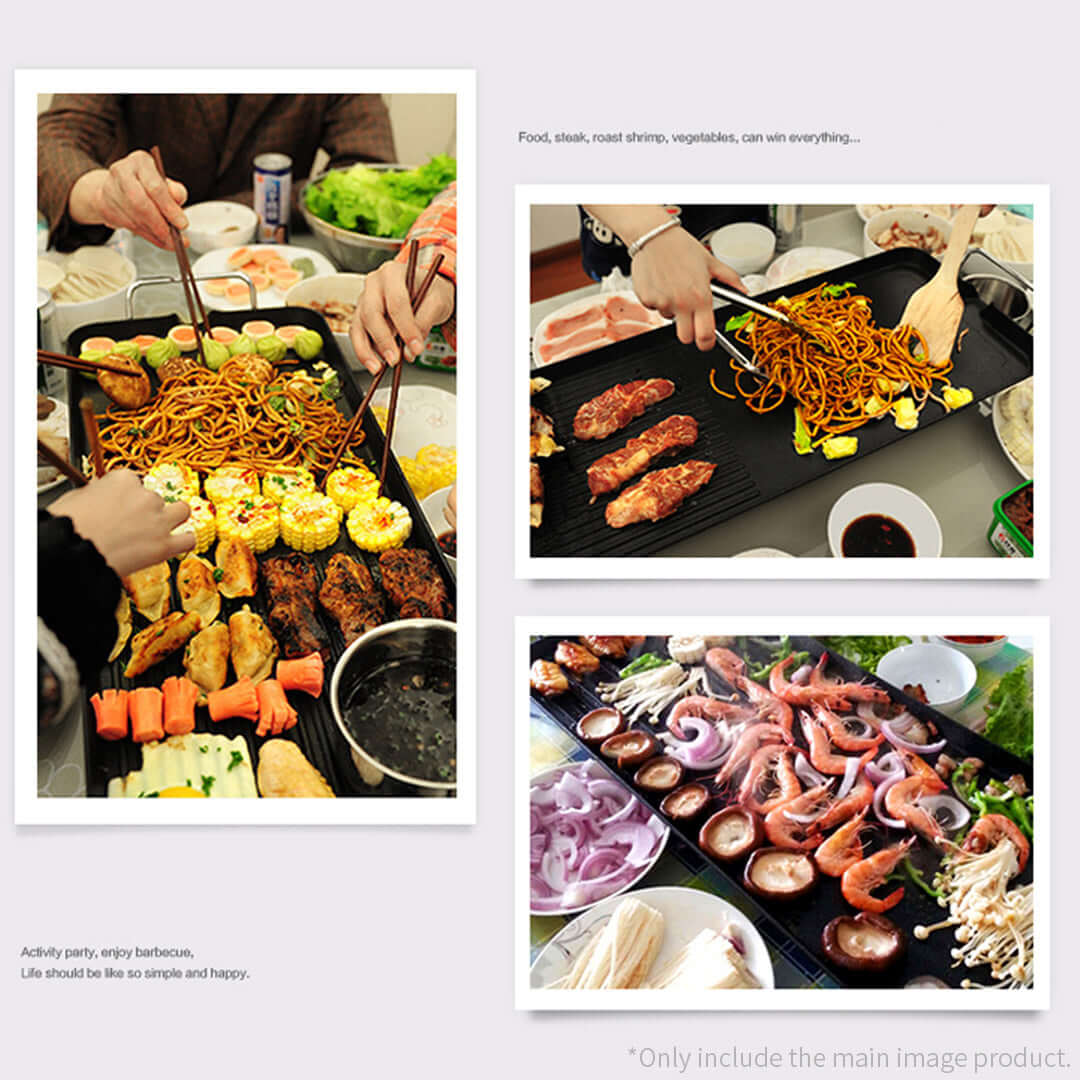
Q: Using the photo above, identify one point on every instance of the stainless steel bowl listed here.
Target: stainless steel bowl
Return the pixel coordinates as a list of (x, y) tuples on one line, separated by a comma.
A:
[(351, 250), (405, 639), (1002, 294)]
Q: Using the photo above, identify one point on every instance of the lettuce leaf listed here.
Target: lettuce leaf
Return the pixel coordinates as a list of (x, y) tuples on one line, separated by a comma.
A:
[(803, 444), (1010, 718)]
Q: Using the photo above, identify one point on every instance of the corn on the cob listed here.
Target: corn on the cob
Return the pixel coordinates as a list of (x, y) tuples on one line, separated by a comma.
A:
[(379, 525), (172, 478), (253, 520), (417, 477), (441, 461), (351, 486), (279, 484), (310, 521), (201, 522), (230, 482)]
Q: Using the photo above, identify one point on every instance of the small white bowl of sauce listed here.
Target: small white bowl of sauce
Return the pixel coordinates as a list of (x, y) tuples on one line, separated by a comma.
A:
[(883, 520)]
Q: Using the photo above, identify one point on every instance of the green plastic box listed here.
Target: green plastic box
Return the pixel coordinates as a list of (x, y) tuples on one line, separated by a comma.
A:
[(1005, 538)]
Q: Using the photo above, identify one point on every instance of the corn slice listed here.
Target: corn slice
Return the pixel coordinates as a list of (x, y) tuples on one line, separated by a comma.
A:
[(351, 486), (230, 482), (279, 484), (253, 520), (202, 522), (310, 521), (172, 478), (379, 525)]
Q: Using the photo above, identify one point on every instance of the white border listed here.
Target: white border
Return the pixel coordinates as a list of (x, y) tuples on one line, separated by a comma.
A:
[(29, 809), (655, 567), (526, 998)]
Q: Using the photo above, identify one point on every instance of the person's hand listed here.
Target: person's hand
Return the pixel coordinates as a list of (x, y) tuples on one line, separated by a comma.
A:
[(130, 194), (384, 312), (129, 524), (450, 509), (671, 274)]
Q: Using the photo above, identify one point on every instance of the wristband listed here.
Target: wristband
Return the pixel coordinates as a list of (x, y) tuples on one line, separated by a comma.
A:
[(641, 241)]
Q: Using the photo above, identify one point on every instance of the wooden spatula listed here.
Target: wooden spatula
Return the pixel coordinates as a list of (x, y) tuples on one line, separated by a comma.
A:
[(935, 310)]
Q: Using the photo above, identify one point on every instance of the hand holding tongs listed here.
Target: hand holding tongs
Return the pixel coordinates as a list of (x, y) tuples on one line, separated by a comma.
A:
[(733, 296)]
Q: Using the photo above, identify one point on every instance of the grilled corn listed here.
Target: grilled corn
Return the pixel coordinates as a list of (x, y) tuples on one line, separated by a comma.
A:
[(201, 522), (279, 484), (379, 525), (254, 520), (172, 478), (310, 521), (351, 486), (230, 482)]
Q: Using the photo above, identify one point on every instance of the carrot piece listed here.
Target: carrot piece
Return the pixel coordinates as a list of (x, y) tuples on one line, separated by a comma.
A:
[(180, 697), (304, 674), (144, 709), (236, 700), (275, 713), (111, 713)]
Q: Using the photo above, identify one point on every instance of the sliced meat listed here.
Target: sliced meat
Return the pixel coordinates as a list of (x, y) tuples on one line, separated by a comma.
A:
[(570, 324), (658, 494), (351, 596), (613, 470), (582, 341), (603, 415)]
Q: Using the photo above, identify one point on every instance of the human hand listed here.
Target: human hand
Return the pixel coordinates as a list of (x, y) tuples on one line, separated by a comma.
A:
[(450, 509), (384, 312), (672, 273), (130, 194), (129, 524)]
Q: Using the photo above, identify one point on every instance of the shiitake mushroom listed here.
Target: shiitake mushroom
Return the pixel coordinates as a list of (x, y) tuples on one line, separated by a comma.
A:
[(865, 942), (778, 874), (629, 749), (685, 803), (600, 724), (660, 773), (731, 833)]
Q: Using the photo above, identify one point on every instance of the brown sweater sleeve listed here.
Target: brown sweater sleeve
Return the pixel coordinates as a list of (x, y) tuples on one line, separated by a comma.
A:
[(75, 135), (356, 127)]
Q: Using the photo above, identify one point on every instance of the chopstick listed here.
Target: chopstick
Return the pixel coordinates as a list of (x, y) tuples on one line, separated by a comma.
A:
[(93, 436), (57, 462), (417, 299), (91, 366), (187, 278)]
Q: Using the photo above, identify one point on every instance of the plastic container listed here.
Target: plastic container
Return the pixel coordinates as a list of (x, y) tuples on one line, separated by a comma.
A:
[(1005, 538)]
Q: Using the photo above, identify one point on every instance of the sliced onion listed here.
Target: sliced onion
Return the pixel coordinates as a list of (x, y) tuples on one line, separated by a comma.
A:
[(902, 722), (885, 768), (599, 789), (865, 711), (864, 730), (709, 750), (553, 871), (851, 771), (956, 814), (910, 747), (802, 675), (640, 837), (879, 804), (807, 773), (542, 796), (572, 796), (806, 819)]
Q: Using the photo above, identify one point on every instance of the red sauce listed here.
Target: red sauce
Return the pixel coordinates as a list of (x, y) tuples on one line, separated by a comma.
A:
[(876, 535), (974, 639)]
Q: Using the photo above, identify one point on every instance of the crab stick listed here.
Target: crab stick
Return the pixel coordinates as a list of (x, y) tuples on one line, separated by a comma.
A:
[(275, 713), (305, 674), (236, 700), (180, 697), (145, 713), (111, 713)]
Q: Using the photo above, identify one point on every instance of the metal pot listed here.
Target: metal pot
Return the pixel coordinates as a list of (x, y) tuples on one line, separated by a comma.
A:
[(1012, 301), (405, 639)]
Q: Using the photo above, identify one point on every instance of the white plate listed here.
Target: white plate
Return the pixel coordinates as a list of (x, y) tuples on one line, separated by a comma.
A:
[(56, 423), (576, 307), (215, 264), (686, 913), (599, 774), (425, 415), (1026, 471), (804, 262), (892, 501)]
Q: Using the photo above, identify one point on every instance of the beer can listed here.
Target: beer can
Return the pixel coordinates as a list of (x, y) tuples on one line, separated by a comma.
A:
[(273, 197)]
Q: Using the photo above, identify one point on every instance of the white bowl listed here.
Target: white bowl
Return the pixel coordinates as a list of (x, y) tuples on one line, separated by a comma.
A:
[(219, 225), (913, 220), (977, 654), (745, 246), (804, 262), (433, 507), (101, 309), (344, 288), (889, 500), (946, 674)]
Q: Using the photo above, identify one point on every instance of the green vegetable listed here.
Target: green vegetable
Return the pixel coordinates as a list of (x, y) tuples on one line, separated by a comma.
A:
[(218, 573), (919, 880), (277, 402), (308, 344), (833, 291), (645, 662), (207, 784), (379, 202), (1010, 719), (245, 343), (161, 350), (304, 265), (803, 445), (272, 347), (127, 348), (331, 386), (235, 758), (777, 652), (215, 353), (864, 651), (737, 322)]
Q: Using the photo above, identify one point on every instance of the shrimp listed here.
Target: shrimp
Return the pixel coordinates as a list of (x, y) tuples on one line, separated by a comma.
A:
[(843, 849), (841, 735), (770, 708), (861, 878), (851, 691), (749, 742), (990, 830), (726, 664), (794, 835), (917, 765), (710, 709), (856, 800), (770, 780), (821, 752), (902, 802)]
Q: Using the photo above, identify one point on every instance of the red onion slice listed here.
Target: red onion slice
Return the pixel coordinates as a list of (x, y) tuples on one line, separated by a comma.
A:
[(886, 767), (851, 771), (879, 804), (912, 748), (950, 813), (807, 773)]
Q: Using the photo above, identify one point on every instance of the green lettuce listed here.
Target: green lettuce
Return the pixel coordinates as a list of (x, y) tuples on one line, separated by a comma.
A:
[(1010, 718)]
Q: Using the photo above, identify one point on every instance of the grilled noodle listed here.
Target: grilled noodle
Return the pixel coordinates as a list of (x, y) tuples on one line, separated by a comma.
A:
[(869, 368), (205, 419)]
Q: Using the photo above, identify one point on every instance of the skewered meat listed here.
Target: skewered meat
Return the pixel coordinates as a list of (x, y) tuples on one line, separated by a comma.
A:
[(251, 645), (410, 575), (613, 470), (206, 658), (239, 570), (576, 658), (548, 679), (284, 773), (350, 595), (613, 409), (197, 588), (615, 647), (542, 442), (160, 638), (149, 589), (290, 585), (536, 495), (658, 494)]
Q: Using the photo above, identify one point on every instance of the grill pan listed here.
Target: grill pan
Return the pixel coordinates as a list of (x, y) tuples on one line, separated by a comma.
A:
[(804, 920), (753, 452), (316, 732)]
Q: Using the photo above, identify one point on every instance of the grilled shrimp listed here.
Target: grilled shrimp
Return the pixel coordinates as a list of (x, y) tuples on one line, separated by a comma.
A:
[(850, 691), (861, 878), (748, 743), (842, 735), (843, 849), (856, 800), (770, 779), (770, 708), (821, 752), (902, 802), (726, 664), (709, 709), (990, 830), (794, 835)]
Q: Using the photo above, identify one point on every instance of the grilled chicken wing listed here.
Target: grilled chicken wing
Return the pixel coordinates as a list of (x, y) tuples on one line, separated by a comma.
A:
[(615, 647), (239, 570), (349, 594), (160, 638), (128, 391), (576, 658), (198, 589), (206, 658), (548, 679), (411, 575), (251, 645)]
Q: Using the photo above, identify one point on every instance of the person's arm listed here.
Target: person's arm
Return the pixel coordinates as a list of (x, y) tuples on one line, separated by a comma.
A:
[(356, 127), (384, 311), (672, 271)]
